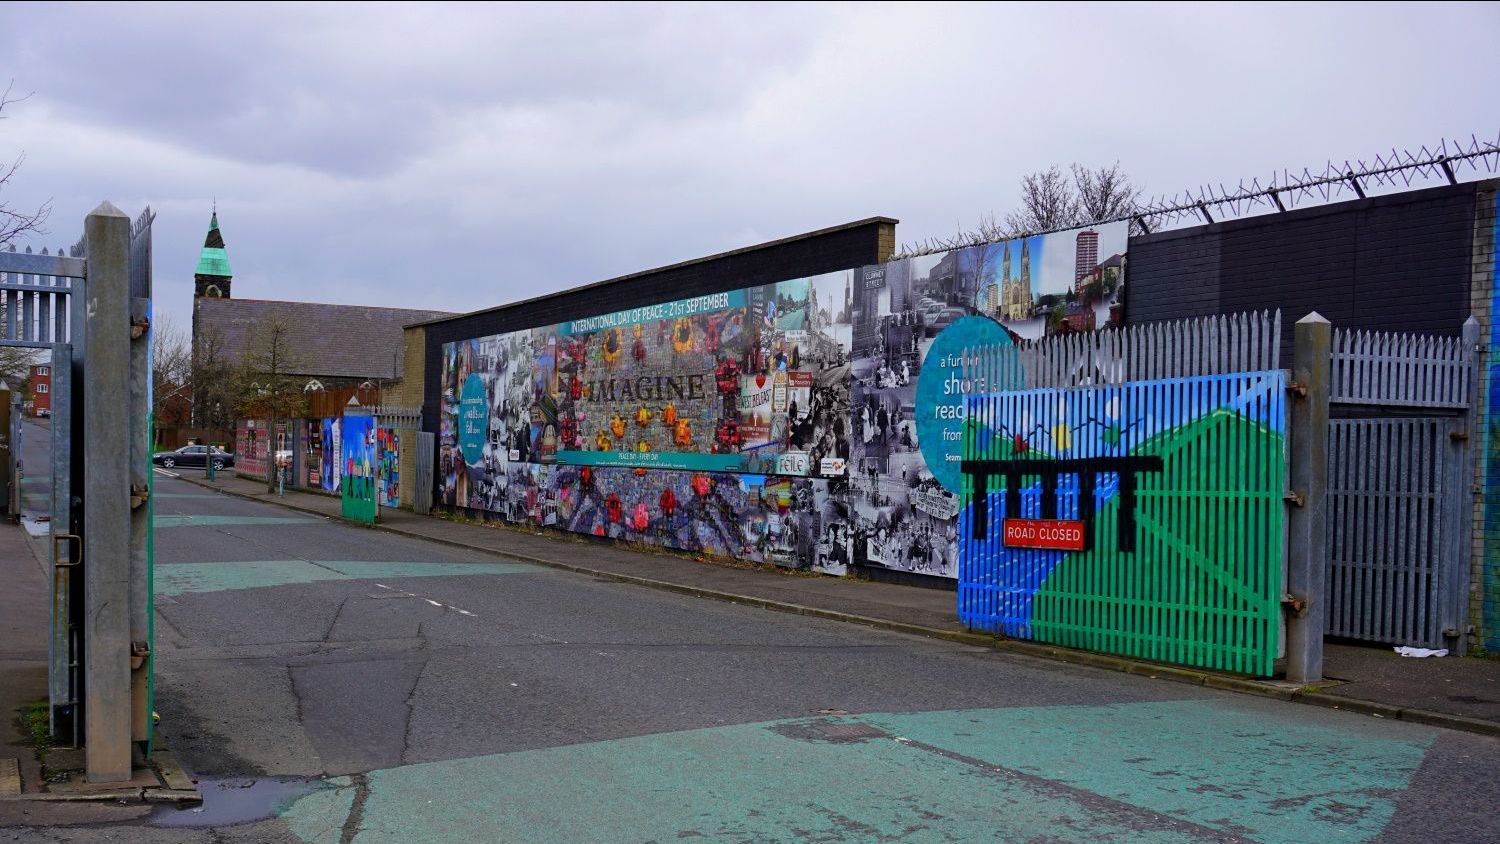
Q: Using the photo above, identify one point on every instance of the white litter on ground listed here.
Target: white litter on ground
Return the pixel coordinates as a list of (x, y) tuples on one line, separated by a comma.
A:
[(1421, 652)]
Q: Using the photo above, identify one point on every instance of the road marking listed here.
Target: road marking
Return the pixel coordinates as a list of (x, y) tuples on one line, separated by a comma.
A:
[(165, 472)]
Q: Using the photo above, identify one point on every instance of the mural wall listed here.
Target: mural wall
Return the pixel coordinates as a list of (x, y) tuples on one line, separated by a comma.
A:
[(1490, 570), (776, 423)]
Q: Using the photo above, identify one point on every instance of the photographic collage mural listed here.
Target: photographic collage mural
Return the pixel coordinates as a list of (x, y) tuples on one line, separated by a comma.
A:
[(777, 424)]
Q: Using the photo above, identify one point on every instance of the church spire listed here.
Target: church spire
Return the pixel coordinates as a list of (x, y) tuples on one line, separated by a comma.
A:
[(213, 274)]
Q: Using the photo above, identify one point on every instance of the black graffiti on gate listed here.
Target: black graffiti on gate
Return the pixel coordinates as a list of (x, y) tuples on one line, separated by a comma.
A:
[(1088, 470)]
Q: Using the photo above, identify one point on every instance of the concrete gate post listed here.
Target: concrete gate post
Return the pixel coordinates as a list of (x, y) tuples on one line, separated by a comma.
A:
[(1307, 526)]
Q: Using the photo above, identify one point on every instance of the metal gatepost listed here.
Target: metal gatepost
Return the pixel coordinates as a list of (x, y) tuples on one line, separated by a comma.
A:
[(91, 309)]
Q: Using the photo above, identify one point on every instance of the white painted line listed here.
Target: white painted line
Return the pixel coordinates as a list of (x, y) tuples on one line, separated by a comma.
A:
[(165, 472), (434, 603), (382, 586)]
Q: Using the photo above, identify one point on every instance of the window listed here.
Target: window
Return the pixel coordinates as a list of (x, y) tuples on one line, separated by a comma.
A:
[(43, 372), (195, 449), (41, 388)]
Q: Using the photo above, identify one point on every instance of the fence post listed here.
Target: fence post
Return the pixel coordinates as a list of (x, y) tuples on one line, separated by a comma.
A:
[(1307, 529), (106, 556), (1468, 496)]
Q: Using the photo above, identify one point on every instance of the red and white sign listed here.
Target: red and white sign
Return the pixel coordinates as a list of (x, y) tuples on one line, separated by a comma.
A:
[(1051, 534)]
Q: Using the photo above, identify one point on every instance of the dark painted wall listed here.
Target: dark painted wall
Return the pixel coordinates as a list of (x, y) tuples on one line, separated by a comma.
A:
[(828, 250), (1392, 263)]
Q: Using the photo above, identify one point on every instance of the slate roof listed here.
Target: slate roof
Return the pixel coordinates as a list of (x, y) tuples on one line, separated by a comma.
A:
[(328, 341)]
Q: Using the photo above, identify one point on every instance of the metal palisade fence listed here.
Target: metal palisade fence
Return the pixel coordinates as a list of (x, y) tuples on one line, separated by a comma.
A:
[(1127, 495), (1399, 474)]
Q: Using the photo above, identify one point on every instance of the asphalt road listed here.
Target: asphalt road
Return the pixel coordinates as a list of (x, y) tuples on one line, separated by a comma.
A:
[(337, 684)]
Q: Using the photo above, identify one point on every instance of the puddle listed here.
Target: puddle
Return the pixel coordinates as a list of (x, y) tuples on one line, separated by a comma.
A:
[(239, 800)]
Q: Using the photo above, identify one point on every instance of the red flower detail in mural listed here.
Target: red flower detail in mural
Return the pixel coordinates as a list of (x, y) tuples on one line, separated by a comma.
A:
[(668, 501), (569, 429), (614, 507), (669, 415), (683, 433), (727, 376), (639, 350), (702, 485), (1020, 446), (642, 519), (598, 530), (586, 476), (575, 387), (727, 437)]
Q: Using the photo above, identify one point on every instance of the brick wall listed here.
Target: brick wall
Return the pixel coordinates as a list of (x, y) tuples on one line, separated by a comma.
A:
[(1393, 263)]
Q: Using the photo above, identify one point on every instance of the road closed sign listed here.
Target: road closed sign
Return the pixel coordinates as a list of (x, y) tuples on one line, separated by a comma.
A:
[(1050, 534)]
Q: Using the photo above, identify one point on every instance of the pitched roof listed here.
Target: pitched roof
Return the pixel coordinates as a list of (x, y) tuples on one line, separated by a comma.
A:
[(213, 260), (327, 341)]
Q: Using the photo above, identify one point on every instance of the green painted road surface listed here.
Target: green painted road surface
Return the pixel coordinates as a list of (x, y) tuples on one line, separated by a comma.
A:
[(1169, 771), (182, 520), (181, 578)]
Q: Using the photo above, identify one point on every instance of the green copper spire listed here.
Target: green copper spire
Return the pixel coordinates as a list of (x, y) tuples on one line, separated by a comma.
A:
[(213, 260)]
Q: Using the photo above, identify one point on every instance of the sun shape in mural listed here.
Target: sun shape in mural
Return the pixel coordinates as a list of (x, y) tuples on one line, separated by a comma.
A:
[(683, 433), (682, 335), (603, 442), (669, 415), (617, 425), (643, 417), (613, 345)]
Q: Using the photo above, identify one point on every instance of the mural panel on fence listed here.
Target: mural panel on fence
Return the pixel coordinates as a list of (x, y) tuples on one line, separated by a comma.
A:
[(1159, 504), (252, 448), (388, 451), (775, 423), (1490, 580), (360, 462)]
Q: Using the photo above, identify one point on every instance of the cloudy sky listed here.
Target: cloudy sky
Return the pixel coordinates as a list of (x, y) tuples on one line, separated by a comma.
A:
[(462, 156)]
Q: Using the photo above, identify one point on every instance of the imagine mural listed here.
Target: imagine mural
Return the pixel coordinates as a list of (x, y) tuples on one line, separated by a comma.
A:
[(775, 423)]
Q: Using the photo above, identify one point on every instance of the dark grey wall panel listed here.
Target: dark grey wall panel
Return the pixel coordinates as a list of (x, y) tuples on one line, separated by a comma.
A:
[(1391, 263)]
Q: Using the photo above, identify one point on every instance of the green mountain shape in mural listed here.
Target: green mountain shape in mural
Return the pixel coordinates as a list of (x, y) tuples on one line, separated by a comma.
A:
[(1201, 586)]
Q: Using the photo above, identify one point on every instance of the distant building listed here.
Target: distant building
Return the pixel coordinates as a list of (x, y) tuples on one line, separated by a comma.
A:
[(1086, 256), (342, 352), (40, 382)]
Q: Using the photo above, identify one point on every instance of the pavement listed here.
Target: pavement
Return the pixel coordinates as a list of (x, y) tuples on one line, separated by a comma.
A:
[(328, 683), (1456, 692)]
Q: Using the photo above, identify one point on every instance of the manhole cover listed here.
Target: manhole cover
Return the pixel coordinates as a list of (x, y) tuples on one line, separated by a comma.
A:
[(832, 732)]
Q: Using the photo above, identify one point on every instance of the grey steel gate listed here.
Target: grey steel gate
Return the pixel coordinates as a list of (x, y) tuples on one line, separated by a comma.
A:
[(1399, 467), (36, 293), (422, 483)]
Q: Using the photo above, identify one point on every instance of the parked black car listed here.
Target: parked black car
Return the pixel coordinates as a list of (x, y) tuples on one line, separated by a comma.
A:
[(193, 455)]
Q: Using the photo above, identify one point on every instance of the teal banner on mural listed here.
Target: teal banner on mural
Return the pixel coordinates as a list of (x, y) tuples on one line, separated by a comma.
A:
[(686, 461), (473, 419), (677, 309), (952, 373)]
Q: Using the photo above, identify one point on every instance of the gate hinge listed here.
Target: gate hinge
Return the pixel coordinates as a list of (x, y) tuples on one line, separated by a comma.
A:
[(138, 653), (1294, 498), (1298, 390), (1458, 436), (138, 327), (139, 494), (1297, 605)]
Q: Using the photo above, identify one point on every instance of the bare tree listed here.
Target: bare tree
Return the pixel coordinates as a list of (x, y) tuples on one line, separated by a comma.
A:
[(216, 382), (15, 222), (15, 365), (1048, 201), (266, 369), (171, 368), (1105, 193)]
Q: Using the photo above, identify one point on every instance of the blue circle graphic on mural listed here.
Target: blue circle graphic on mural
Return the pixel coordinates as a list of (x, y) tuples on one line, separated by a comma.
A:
[(942, 389), (473, 419)]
